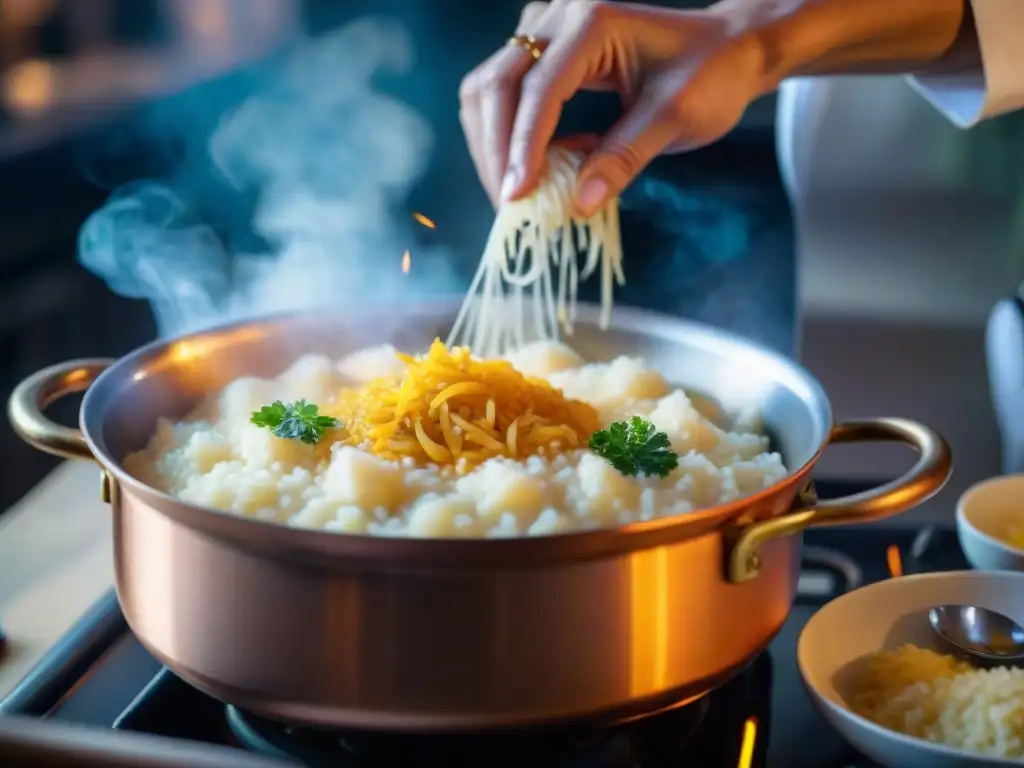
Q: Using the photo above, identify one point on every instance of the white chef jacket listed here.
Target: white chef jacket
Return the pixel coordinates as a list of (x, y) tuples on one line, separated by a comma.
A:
[(970, 97)]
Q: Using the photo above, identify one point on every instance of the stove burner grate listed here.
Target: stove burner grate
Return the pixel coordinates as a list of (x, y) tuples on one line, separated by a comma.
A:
[(616, 747)]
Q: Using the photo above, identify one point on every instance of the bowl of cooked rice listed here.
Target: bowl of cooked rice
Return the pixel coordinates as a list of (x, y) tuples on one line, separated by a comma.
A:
[(990, 523), (874, 669)]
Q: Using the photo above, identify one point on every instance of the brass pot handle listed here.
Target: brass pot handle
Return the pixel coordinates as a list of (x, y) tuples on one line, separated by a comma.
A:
[(40, 390), (926, 478)]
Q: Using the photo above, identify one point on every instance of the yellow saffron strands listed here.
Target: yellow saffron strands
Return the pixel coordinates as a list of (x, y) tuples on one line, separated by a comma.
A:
[(450, 408)]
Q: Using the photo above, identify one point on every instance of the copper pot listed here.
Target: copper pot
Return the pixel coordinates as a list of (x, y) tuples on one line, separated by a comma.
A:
[(446, 635)]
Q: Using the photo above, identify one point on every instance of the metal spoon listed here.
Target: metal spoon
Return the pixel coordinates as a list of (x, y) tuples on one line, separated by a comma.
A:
[(981, 634)]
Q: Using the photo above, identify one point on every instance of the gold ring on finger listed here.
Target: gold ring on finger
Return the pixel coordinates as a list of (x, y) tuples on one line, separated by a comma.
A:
[(528, 43)]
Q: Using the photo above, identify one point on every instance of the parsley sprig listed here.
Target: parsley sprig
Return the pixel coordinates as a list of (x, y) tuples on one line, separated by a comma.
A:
[(294, 421), (635, 448)]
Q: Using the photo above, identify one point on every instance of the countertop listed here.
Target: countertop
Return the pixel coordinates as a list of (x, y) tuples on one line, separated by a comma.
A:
[(55, 561)]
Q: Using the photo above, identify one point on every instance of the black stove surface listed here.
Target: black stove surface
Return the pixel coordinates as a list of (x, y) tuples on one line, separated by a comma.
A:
[(100, 676)]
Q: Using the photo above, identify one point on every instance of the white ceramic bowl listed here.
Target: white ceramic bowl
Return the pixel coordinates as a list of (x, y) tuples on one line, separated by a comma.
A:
[(884, 616), (984, 513)]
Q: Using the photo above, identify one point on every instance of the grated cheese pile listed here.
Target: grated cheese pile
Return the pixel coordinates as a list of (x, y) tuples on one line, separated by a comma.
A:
[(939, 698), (450, 408)]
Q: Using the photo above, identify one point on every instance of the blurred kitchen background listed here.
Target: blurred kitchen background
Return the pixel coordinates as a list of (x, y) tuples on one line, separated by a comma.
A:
[(908, 231)]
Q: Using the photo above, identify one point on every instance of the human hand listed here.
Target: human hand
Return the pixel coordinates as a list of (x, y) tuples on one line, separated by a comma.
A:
[(684, 77)]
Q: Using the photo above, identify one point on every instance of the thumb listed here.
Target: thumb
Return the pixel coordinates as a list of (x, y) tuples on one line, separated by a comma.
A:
[(632, 142)]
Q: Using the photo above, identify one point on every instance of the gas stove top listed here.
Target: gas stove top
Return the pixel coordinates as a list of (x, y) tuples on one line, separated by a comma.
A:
[(100, 677)]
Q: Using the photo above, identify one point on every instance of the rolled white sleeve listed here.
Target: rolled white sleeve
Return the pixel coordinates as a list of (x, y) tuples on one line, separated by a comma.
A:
[(967, 98)]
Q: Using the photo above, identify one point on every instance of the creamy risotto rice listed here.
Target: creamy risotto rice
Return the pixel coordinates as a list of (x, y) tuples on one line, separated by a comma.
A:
[(217, 458)]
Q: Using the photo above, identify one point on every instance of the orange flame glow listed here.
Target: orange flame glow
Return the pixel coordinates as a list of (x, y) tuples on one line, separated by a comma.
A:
[(406, 262), (421, 219), (894, 561), (749, 739), (30, 87)]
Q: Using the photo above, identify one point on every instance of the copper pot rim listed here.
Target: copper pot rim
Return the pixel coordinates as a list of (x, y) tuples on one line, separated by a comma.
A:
[(499, 552), (746, 523)]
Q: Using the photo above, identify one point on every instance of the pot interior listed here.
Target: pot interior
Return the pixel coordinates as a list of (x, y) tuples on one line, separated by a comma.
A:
[(167, 379)]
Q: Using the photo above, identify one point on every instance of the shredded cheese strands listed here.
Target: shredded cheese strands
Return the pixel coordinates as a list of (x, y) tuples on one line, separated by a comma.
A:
[(453, 409), (530, 271)]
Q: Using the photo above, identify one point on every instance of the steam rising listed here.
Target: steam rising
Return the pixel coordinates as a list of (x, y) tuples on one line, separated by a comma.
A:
[(332, 159)]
